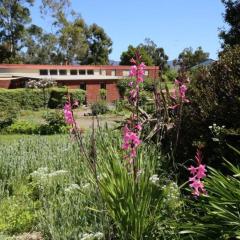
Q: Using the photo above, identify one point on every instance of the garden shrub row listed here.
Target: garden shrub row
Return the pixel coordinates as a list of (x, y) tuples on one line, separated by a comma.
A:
[(33, 99)]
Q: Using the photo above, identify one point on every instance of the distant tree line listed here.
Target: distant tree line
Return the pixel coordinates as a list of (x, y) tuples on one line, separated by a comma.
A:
[(71, 39)]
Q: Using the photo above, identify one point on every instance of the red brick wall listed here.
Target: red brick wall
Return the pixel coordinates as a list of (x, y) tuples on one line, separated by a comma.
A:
[(93, 91), (5, 83), (112, 92)]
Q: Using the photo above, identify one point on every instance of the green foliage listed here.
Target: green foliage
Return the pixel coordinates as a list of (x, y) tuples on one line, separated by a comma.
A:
[(214, 98), (135, 205), (170, 75), (34, 99), (232, 18), (18, 212), (23, 127), (103, 94), (130, 53), (189, 59), (7, 116), (55, 123), (99, 108), (14, 17), (57, 196), (220, 217), (123, 85), (100, 45), (77, 94), (157, 53), (22, 98)]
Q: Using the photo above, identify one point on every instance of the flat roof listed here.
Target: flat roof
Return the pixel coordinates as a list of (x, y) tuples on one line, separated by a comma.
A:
[(69, 67)]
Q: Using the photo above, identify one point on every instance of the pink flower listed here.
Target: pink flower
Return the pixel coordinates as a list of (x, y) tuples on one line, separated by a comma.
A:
[(197, 174), (133, 71), (138, 127), (130, 84), (68, 114), (201, 171), (192, 170), (198, 187), (182, 91)]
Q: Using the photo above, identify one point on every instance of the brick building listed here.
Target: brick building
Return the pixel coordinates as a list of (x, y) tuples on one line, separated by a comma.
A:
[(89, 78)]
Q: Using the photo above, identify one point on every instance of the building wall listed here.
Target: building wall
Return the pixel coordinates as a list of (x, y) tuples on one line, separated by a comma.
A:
[(93, 89), (5, 83)]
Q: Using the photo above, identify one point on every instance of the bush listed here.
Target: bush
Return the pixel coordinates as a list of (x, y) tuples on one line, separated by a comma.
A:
[(57, 97), (33, 99), (214, 98), (55, 123), (7, 117), (123, 85), (79, 95), (99, 108), (23, 127)]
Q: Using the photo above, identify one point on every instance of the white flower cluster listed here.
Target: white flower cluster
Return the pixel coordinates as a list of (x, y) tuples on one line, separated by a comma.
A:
[(43, 174), (92, 236), (73, 187), (154, 179), (216, 131), (41, 83)]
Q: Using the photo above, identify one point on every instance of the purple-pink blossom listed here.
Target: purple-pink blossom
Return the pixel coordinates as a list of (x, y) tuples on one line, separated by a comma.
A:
[(198, 173), (68, 115)]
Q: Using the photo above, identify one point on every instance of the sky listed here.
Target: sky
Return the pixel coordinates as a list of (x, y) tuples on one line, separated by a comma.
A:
[(171, 24)]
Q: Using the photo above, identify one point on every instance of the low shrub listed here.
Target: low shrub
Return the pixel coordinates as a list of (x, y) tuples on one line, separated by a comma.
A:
[(7, 117), (33, 99), (23, 127), (99, 108), (78, 95), (55, 123)]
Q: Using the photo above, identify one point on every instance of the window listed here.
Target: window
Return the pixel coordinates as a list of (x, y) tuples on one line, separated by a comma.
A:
[(62, 72), (113, 73), (90, 72), (146, 73), (103, 86), (73, 72), (43, 72), (125, 73), (53, 72), (82, 72), (103, 72), (83, 86)]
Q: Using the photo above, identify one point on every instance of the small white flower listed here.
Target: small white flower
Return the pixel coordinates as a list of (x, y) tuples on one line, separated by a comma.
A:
[(154, 178)]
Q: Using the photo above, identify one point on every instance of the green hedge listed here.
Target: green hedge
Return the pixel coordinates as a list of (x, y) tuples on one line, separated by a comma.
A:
[(33, 99)]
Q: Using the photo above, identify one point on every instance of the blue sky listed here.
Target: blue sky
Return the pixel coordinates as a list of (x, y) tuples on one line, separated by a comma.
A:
[(171, 24)]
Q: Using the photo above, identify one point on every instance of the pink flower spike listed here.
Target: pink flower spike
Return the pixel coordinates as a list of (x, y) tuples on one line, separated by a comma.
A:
[(68, 114), (133, 61), (138, 127), (192, 170), (201, 171), (133, 71)]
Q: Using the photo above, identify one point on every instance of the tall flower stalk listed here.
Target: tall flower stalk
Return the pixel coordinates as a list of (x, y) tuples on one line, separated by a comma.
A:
[(132, 129)]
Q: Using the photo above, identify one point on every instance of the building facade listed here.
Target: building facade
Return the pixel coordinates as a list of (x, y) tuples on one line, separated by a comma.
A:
[(89, 78)]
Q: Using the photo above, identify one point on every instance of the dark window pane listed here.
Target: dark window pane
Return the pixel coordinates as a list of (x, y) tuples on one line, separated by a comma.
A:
[(62, 72), (90, 72), (73, 72), (103, 86), (82, 72), (43, 72), (53, 72), (83, 86)]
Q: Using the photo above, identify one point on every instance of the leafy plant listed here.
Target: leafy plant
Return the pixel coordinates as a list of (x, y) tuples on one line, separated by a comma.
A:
[(99, 108)]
